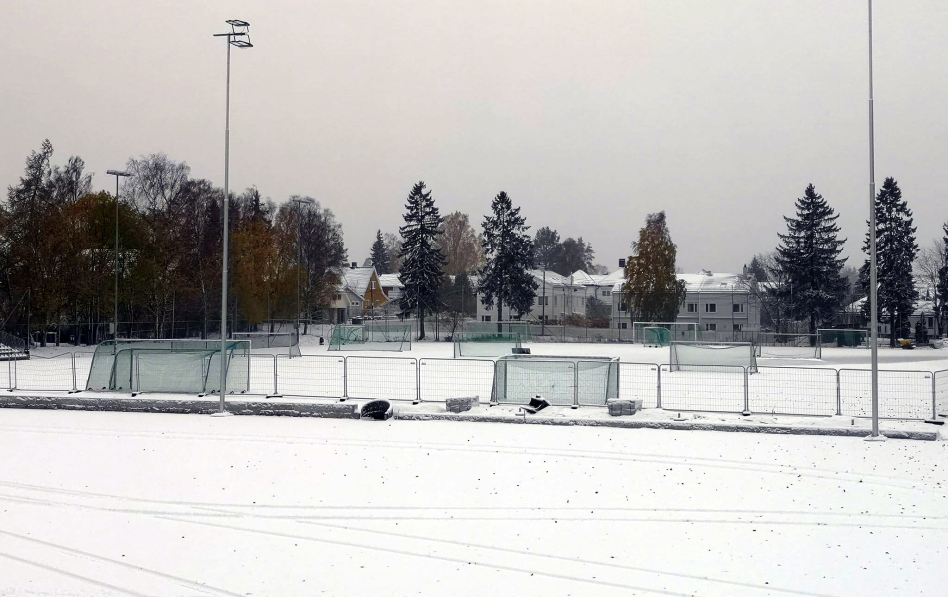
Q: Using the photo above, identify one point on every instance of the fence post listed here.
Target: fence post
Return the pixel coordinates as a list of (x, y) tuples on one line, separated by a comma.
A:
[(747, 411), (575, 384), (345, 377), (417, 381), (276, 377), (72, 357), (11, 374), (839, 396), (658, 387), (934, 404)]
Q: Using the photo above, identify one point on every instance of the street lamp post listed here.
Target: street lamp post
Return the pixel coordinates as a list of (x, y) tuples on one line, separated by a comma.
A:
[(117, 174), (873, 270), (300, 202), (239, 36)]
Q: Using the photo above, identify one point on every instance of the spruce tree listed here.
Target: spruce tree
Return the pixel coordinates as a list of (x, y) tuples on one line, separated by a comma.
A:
[(652, 289), (509, 252), (895, 254), (420, 255), (809, 256), (941, 288), (379, 255)]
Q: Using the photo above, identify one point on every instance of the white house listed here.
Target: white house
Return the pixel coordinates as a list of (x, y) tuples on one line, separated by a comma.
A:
[(556, 297)]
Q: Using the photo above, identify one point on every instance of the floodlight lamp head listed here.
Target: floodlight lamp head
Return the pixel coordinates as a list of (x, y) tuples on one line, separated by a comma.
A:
[(239, 36), (118, 173)]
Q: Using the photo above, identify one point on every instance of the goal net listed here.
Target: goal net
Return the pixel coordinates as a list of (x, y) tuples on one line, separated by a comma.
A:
[(268, 339), (788, 346), (172, 366), (677, 331), (852, 338), (561, 380), (371, 337), (484, 344), (653, 336), (698, 356), (523, 328)]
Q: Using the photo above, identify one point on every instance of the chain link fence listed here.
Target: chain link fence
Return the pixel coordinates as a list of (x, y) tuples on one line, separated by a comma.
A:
[(903, 394)]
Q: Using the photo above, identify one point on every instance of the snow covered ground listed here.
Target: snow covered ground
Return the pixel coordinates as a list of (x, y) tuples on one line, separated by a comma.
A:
[(134, 504)]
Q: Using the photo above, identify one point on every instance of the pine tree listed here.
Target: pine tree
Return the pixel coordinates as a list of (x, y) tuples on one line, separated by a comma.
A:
[(942, 287), (809, 256), (895, 254), (379, 255), (510, 254), (421, 257), (652, 289)]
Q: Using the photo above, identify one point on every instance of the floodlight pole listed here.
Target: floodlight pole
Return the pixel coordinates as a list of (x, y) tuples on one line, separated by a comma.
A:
[(239, 30), (873, 269), (117, 174)]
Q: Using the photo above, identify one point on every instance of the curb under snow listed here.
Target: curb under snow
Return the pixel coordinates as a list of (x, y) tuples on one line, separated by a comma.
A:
[(350, 410)]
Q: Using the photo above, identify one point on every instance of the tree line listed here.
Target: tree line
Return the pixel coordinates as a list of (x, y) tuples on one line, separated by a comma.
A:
[(58, 253)]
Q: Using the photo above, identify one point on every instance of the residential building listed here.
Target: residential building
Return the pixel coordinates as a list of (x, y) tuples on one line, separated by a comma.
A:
[(359, 294), (556, 297)]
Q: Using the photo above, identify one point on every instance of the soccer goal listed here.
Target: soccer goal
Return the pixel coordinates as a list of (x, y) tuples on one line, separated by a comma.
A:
[(655, 336), (561, 380), (698, 356), (677, 331), (523, 328), (371, 337), (788, 346), (851, 338), (260, 340), (484, 344), (172, 366)]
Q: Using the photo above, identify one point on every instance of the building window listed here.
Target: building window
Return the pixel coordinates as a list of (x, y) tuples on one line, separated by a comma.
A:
[(711, 327), (355, 303), (623, 326), (738, 327), (931, 323), (609, 292), (738, 307), (485, 317), (710, 308), (338, 297), (692, 307), (623, 306)]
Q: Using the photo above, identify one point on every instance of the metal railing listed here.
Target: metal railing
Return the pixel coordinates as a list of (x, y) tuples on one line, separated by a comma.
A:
[(713, 388)]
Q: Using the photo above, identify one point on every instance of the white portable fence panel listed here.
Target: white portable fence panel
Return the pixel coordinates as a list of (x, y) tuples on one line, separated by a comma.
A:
[(262, 374), (941, 393), (54, 374), (715, 388), (793, 391), (6, 375), (387, 378), (455, 378), (311, 376), (640, 381), (82, 361), (902, 394)]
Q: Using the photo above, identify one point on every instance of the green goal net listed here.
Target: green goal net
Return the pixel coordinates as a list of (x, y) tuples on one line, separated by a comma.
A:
[(485, 344)]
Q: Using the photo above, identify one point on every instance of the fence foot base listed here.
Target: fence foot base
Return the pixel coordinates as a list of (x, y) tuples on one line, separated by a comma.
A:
[(574, 406), (275, 396), (226, 413), (934, 422), (343, 399), (876, 438), (746, 413), (415, 402), (679, 418), (74, 391)]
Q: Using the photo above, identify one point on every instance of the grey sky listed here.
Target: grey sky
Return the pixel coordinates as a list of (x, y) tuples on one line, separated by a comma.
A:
[(590, 114)]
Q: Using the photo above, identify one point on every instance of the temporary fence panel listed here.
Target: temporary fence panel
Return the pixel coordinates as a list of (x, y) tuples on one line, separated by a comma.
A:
[(54, 373), (6, 374), (82, 361), (941, 393), (262, 374), (793, 391), (902, 394), (389, 378), (455, 378), (314, 376), (718, 388), (639, 381), (597, 382)]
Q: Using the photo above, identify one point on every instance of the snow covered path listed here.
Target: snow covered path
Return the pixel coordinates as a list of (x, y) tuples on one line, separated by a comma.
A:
[(135, 504)]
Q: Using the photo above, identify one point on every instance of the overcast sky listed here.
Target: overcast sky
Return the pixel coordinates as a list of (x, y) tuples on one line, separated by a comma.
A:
[(590, 113)]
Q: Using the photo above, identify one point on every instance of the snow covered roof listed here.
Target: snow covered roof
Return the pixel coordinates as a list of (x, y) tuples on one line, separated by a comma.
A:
[(921, 307), (554, 279), (390, 281), (705, 281), (356, 279), (581, 277)]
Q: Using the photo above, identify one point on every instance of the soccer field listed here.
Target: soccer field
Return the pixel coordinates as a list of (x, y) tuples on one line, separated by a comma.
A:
[(135, 504)]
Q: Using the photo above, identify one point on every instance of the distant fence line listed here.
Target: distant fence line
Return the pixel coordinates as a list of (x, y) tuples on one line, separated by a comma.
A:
[(804, 391)]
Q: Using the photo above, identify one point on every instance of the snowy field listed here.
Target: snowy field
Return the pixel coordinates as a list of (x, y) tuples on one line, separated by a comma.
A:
[(130, 504)]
